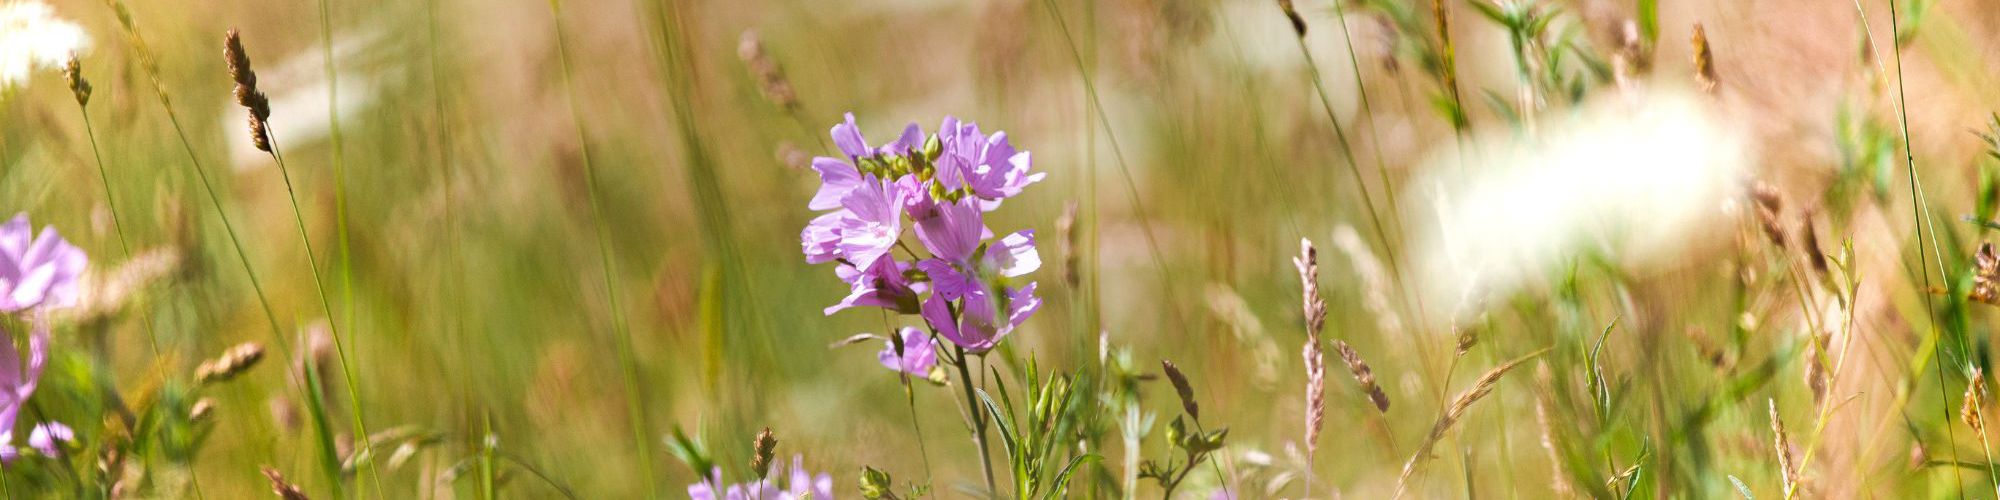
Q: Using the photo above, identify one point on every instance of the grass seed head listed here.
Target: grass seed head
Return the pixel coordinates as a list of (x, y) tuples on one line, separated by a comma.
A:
[(766, 447), (283, 488), (231, 363), (246, 91), (1182, 388)]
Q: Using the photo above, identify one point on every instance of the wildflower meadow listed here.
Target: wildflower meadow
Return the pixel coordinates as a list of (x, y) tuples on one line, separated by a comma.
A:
[(1029, 249)]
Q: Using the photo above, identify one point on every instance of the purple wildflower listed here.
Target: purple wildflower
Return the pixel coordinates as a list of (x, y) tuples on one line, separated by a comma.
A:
[(37, 270), (987, 166), (48, 438), (17, 382), (885, 285), (918, 355), (965, 288), (800, 485), (977, 328)]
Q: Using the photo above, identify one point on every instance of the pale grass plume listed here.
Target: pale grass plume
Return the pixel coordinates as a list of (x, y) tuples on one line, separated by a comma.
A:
[(1375, 285), (32, 37), (1453, 413), (1315, 358), (1782, 442), (1975, 399), (1637, 179), (1234, 311)]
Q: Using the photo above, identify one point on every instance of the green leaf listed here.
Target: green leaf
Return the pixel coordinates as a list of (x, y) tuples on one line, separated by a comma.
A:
[(1005, 424), (1741, 488), (1056, 489)]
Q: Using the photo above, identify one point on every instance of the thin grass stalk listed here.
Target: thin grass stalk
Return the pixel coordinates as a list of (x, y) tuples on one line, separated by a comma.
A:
[(1455, 412), (635, 405), (149, 64), (1347, 154), (265, 137), (338, 156), (346, 367), (82, 89), (973, 412), (1920, 214), (1131, 187)]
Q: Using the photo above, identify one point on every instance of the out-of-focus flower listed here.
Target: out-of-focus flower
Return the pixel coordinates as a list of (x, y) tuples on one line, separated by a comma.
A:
[(48, 438), (37, 270), (18, 378), (918, 355), (1633, 179), (800, 484), (32, 36)]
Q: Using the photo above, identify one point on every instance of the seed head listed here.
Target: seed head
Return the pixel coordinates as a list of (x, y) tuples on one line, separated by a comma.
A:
[(1704, 61), (247, 94), (1298, 23), (1182, 388), (1986, 275), (78, 86), (1362, 375), (285, 489), (202, 409), (1975, 397), (231, 363), (766, 447)]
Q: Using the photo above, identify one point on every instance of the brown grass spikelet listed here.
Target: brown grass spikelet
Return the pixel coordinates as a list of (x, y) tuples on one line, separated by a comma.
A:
[(1986, 275), (1704, 61), (1816, 374), (1292, 14), (231, 363), (78, 86), (283, 488), (1308, 265), (202, 409), (1810, 234), (1770, 205), (770, 77), (247, 95), (1975, 400), (1315, 357), (1783, 444), (1182, 388), (1362, 375), (1457, 410), (766, 446)]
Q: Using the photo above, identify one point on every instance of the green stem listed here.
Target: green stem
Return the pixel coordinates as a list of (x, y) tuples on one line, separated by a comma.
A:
[(634, 405), (978, 421), (361, 434)]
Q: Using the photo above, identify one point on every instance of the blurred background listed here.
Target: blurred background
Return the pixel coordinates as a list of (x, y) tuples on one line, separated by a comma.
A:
[(474, 301)]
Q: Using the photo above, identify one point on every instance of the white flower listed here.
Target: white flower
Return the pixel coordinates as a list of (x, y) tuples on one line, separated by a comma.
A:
[(1641, 181), (30, 36)]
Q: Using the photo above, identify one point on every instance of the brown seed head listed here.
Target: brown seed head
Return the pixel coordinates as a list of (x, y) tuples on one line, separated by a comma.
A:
[(1783, 443), (1182, 388), (1704, 61), (1362, 375), (770, 77), (1066, 225), (1975, 396), (78, 86), (766, 447), (1292, 14), (284, 489), (246, 91), (202, 409), (1986, 275), (231, 363), (1315, 308)]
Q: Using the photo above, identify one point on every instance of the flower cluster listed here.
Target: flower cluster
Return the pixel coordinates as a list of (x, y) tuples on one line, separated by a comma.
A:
[(36, 272), (965, 283), (801, 484)]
